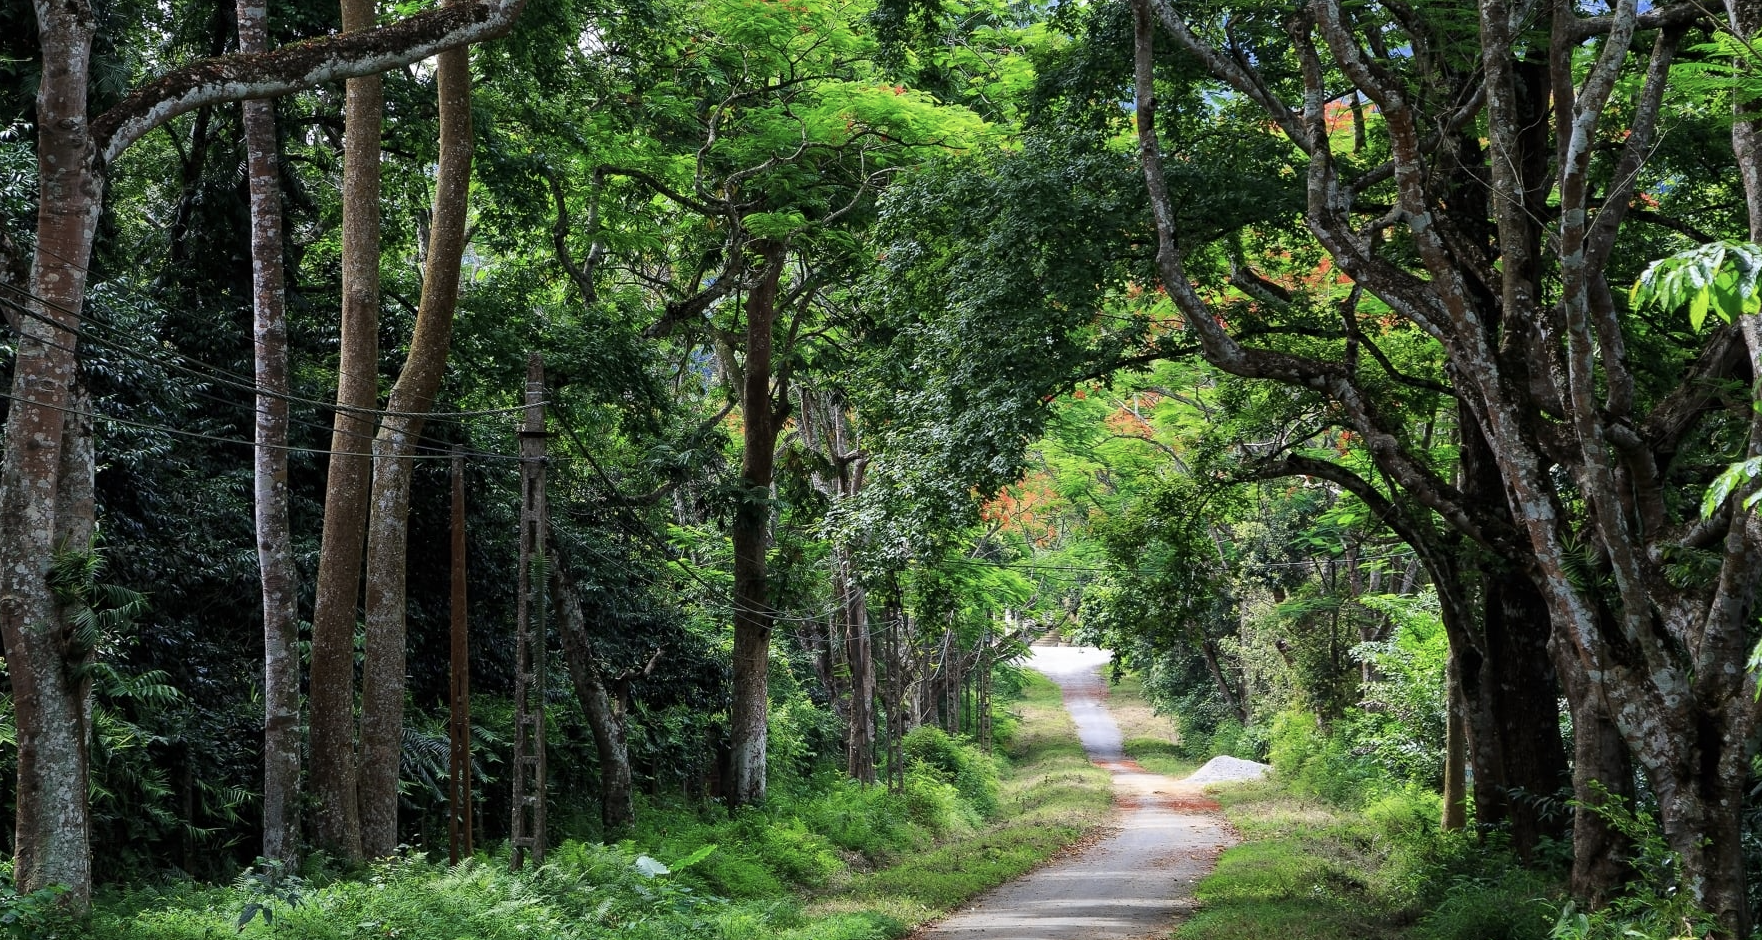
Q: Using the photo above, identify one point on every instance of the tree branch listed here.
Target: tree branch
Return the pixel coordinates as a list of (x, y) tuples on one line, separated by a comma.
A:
[(1678, 16), (295, 66)]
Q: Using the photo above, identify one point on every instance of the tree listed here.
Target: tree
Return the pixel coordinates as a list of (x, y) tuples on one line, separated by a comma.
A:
[(1578, 435), (605, 700), (400, 428), (780, 133), (335, 763), (1038, 251), (275, 559), (829, 432), (48, 451)]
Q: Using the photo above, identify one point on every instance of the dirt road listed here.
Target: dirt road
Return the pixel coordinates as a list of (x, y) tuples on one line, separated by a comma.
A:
[(1138, 879)]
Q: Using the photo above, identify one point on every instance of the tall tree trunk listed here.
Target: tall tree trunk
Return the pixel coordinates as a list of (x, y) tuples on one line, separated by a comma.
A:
[(1455, 815), (751, 533), (1559, 418), (1510, 694), (1511, 712), (892, 687), (275, 555), (73, 148), (337, 820), (1601, 773), (1226, 690), (827, 427), (47, 461), (1745, 19), (382, 687), (1701, 805), (982, 696), (1520, 701), (605, 714), (53, 839), (950, 702)]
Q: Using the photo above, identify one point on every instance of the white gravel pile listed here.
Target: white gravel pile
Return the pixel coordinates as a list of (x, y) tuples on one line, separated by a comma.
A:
[(1226, 769)]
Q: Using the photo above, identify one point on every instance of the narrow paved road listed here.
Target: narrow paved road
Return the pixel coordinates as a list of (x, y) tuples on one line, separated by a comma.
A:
[(1134, 883)]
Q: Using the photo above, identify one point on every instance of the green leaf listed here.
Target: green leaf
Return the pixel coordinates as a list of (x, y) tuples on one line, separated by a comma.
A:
[(1698, 303), (1718, 278), (1755, 663), (1733, 477), (774, 225), (702, 853)]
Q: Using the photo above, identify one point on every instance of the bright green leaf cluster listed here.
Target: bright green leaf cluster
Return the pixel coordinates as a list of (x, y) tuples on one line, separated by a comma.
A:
[(1734, 476), (1718, 277)]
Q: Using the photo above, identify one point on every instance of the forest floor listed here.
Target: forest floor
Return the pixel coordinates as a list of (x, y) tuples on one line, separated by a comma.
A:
[(1135, 881), (1110, 848), (792, 871)]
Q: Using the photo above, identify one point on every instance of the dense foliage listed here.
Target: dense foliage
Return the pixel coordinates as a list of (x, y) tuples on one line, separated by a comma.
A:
[(1288, 353)]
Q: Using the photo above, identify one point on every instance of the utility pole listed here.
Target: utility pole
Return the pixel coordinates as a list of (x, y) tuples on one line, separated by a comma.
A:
[(983, 695), (459, 718), (528, 830)]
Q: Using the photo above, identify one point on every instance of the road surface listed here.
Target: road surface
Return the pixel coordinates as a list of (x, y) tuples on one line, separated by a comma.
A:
[(1134, 883)]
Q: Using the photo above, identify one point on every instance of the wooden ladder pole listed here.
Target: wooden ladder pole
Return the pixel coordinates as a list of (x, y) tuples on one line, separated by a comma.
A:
[(459, 713), (528, 830)]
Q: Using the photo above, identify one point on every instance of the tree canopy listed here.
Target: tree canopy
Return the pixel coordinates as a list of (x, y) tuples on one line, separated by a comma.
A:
[(1388, 369)]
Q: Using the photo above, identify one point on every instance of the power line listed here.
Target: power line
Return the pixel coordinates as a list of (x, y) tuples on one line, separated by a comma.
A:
[(247, 383), (718, 597), (198, 435), (210, 372), (221, 378)]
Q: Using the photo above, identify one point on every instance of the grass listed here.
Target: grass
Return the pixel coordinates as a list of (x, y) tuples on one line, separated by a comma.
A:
[(1150, 739), (1050, 797), (1301, 873), (836, 862), (1311, 870)]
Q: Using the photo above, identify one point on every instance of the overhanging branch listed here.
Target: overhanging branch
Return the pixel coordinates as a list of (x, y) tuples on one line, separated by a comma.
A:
[(295, 66)]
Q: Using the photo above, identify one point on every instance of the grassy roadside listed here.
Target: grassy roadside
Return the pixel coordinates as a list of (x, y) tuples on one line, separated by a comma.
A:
[(1150, 739), (1301, 873), (1312, 870), (832, 861), (1049, 798)]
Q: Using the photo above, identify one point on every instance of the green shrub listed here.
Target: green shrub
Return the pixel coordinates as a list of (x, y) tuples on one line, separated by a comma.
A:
[(798, 734), (1659, 904), (934, 803), (1315, 764), (1406, 815), (866, 819), (1292, 743), (1252, 743), (1226, 739), (740, 873), (972, 773), (583, 891), (861, 925), (706, 875), (37, 915), (1509, 903), (796, 854)]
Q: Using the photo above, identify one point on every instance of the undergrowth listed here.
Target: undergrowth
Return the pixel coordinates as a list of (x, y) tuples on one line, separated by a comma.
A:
[(1310, 869), (826, 859), (1333, 851)]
